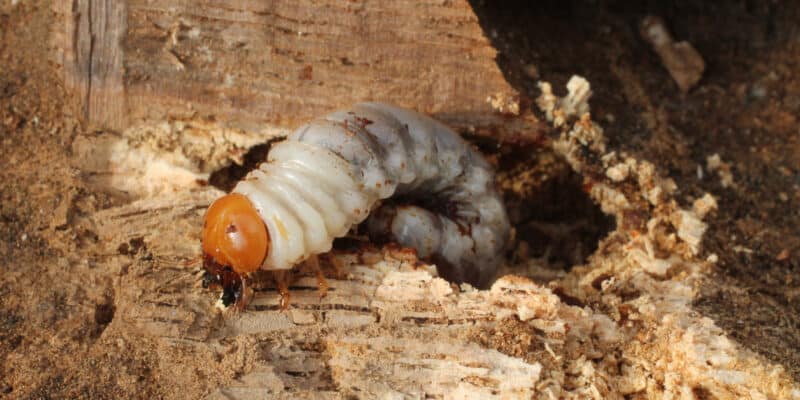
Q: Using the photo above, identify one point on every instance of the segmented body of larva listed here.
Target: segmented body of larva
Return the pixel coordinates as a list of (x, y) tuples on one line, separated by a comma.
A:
[(420, 184)]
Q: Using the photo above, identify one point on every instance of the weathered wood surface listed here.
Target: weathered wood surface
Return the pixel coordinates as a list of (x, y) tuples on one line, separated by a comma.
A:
[(390, 327), (251, 64), (92, 58)]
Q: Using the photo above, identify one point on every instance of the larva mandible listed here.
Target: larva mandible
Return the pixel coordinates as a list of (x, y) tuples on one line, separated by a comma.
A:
[(333, 173)]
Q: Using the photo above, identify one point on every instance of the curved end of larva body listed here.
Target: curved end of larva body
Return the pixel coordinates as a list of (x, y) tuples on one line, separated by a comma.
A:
[(464, 250), (474, 267)]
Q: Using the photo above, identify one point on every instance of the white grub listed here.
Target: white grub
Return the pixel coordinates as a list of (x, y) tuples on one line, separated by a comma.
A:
[(683, 62), (333, 173), (714, 163)]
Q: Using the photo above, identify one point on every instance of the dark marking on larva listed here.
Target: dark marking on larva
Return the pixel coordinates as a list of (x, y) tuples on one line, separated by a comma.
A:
[(348, 131), (363, 121), (231, 229)]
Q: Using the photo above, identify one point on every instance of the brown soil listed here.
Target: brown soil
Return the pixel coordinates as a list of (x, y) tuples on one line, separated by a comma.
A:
[(55, 302), (744, 109)]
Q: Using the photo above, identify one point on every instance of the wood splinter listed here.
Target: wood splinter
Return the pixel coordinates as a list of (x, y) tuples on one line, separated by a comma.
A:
[(683, 62)]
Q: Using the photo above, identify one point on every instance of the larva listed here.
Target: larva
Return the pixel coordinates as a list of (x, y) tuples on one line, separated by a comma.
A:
[(334, 173)]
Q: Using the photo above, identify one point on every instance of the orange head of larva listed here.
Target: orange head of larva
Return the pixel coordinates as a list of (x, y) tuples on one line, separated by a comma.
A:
[(234, 234), (235, 243)]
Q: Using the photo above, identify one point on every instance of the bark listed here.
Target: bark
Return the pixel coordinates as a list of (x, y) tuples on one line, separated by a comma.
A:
[(249, 64)]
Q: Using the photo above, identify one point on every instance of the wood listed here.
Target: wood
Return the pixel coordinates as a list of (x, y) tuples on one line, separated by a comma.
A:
[(681, 59), (251, 64), (92, 59)]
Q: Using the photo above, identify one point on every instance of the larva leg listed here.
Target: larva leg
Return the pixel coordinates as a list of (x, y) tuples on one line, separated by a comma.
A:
[(322, 284), (282, 283), (245, 296)]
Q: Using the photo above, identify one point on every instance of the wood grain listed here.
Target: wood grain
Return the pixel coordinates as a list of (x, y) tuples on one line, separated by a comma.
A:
[(92, 59), (251, 64)]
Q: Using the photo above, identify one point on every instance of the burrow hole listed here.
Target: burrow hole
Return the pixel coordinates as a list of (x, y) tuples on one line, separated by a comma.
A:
[(557, 224), (103, 315)]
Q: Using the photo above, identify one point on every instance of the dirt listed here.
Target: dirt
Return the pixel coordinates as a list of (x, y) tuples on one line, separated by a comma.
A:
[(56, 302), (744, 109)]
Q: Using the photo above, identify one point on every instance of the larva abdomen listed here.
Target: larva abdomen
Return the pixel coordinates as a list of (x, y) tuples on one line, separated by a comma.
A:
[(339, 168)]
